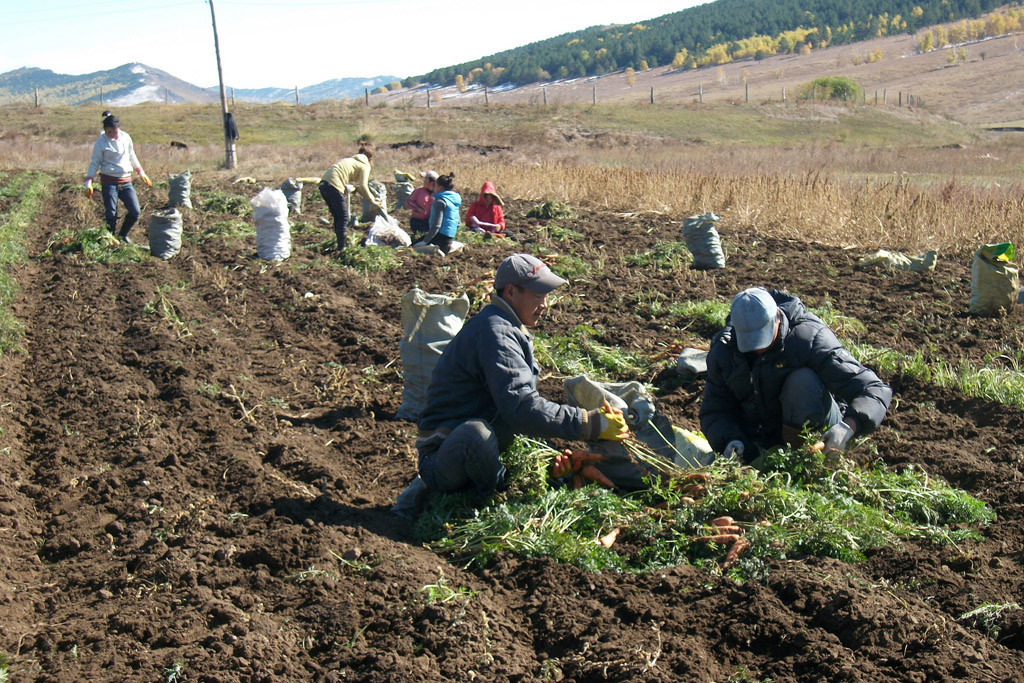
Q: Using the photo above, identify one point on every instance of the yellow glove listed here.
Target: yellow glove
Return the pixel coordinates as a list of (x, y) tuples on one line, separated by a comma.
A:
[(145, 178), (613, 423), (88, 188)]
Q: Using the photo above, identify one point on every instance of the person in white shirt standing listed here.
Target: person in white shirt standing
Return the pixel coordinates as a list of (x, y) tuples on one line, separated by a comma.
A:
[(113, 157)]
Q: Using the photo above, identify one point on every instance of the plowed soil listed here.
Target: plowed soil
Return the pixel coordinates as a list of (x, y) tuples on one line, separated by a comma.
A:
[(190, 448)]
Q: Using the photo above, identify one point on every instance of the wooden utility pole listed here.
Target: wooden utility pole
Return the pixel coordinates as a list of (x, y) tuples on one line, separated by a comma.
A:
[(229, 140)]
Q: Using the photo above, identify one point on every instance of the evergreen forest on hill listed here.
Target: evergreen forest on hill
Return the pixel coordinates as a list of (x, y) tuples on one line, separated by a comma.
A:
[(715, 33)]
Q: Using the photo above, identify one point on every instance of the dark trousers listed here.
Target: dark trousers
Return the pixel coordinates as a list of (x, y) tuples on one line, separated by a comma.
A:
[(418, 226), (126, 193), (443, 242), (339, 210), (467, 459)]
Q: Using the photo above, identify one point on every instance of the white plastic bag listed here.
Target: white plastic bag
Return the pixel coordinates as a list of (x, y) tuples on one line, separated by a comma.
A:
[(270, 214), (385, 232)]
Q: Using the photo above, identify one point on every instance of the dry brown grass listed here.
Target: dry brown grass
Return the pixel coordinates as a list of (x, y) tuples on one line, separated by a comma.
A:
[(890, 214)]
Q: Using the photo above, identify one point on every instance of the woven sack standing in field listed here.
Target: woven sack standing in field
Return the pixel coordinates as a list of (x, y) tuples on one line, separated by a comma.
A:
[(702, 240), (165, 233), (292, 190), (380, 193), (403, 188), (429, 323), (994, 280), (179, 190), (270, 214)]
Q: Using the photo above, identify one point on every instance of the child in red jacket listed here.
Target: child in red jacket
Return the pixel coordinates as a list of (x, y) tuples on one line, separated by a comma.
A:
[(485, 214)]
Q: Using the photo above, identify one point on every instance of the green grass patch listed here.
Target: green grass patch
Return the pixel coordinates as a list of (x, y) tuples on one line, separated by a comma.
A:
[(575, 268), (223, 230), (558, 233), (370, 259), (95, 245), (551, 209), (578, 352), (799, 506), (664, 255), (26, 193), (215, 201), (1000, 379)]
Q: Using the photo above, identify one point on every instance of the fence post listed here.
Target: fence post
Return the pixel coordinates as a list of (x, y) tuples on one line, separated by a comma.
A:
[(428, 98), (652, 94), (746, 93), (296, 94), (901, 98), (366, 96), (101, 94), (35, 93), (232, 98), (700, 92), (487, 102), (545, 92), (885, 95), (595, 94), (783, 94)]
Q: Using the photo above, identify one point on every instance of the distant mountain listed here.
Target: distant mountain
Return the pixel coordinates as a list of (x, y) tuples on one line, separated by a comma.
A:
[(135, 83), (335, 89), (125, 85)]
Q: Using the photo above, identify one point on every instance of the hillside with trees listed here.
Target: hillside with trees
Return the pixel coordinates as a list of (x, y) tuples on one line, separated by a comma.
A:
[(715, 33)]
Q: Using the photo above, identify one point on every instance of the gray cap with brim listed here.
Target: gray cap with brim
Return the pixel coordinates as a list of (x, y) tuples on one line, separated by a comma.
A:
[(527, 272), (753, 316)]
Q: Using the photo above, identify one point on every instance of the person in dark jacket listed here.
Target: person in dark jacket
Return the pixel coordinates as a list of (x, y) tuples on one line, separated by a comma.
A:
[(483, 392), (776, 367)]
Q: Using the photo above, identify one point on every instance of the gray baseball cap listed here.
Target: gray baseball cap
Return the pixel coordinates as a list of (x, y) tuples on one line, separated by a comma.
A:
[(753, 315), (528, 272)]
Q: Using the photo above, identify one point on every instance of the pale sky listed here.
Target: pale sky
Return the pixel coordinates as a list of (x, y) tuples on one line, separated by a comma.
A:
[(286, 43)]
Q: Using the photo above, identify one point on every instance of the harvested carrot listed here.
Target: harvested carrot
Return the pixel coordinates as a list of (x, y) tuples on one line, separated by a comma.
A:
[(687, 500), (609, 539), (818, 447), (698, 476), (597, 476), (577, 481), (723, 521), (720, 539), (694, 490), (734, 552), (727, 529)]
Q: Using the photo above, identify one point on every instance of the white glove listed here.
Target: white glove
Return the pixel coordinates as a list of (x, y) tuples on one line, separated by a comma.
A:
[(838, 436), (734, 446)]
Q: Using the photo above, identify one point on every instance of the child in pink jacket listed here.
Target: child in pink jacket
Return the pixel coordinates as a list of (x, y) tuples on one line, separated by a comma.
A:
[(419, 203)]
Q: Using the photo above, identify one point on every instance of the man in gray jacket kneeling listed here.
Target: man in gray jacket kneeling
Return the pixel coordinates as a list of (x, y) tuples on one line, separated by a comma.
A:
[(483, 392)]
